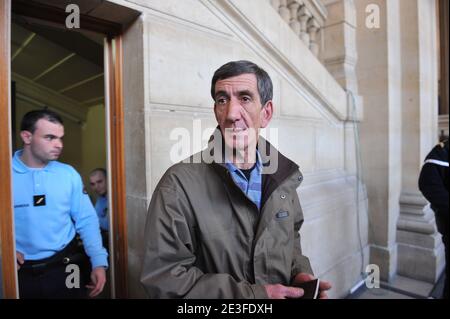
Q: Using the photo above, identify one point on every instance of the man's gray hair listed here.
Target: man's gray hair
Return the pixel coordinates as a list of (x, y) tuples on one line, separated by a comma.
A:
[(235, 68)]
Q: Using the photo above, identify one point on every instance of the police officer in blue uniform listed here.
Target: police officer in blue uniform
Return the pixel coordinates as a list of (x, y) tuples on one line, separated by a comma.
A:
[(433, 183), (50, 208), (97, 180)]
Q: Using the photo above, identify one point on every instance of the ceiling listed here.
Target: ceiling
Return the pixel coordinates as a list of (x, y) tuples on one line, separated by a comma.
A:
[(66, 62)]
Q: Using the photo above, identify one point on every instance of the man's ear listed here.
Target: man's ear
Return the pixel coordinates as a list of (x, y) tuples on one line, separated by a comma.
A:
[(26, 137), (266, 114)]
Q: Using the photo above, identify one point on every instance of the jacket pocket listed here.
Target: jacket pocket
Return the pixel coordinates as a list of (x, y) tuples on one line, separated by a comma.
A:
[(280, 245)]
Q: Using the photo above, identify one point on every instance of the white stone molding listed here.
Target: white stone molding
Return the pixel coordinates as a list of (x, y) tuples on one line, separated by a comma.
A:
[(305, 17)]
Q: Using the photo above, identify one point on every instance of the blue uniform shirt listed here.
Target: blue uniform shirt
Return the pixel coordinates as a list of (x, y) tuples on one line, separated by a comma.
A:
[(45, 225), (101, 207)]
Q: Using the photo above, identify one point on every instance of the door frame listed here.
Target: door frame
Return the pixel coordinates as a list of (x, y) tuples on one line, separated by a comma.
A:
[(115, 139), (116, 163), (8, 255)]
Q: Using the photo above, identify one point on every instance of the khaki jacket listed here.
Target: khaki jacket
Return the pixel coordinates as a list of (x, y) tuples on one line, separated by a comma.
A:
[(205, 239)]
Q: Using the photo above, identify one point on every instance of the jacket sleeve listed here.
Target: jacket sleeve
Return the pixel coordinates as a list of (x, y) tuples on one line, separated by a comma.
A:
[(169, 267), (431, 184), (300, 263)]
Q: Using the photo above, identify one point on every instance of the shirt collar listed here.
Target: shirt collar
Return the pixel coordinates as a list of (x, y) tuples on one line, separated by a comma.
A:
[(20, 166), (232, 168)]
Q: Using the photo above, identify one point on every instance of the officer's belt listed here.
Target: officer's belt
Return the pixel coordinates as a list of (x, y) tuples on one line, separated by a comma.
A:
[(71, 254)]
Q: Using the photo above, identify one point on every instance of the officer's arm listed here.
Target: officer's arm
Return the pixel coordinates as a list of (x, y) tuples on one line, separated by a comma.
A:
[(432, 186)]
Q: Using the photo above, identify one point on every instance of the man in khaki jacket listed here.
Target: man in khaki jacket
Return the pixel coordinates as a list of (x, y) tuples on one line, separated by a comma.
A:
[(225, 222)]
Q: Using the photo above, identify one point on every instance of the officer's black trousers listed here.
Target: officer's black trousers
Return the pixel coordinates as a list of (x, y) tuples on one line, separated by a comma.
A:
[(49, 283), (447, 275)]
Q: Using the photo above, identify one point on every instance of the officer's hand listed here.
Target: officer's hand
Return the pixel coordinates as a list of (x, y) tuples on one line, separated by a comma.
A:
[(20, 259), (282, 292), (323, 285), (98, 280)]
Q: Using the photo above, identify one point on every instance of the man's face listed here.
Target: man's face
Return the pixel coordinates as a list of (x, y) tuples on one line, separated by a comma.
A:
[(46, 143), (239, 112), (98, 183)]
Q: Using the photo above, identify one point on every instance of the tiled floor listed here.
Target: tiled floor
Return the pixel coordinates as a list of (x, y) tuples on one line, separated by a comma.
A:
[(381, 293), (401, 288)]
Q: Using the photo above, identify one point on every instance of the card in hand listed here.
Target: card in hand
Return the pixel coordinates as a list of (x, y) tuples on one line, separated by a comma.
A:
[(310, 288)]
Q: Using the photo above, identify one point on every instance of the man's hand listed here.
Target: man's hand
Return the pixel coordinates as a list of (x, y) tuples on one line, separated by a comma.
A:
[(20, 259), (98, 280), (323, 285), (282, 292)]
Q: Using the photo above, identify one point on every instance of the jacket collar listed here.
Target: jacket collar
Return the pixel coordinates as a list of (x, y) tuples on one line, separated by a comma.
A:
[(276, 167)]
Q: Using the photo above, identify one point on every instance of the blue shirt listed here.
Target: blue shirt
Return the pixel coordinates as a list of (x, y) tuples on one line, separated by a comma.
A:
[(251, 187), (101, 207), (42, 230)]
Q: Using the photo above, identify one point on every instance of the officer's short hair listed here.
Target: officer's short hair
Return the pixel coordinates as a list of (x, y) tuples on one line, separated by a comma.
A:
[(235, 68), (30, 119), (98, 170)]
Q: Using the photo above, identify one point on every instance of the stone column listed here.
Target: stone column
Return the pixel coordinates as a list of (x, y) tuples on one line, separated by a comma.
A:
[(313, 29), (303, 16), (284, 11), (340, 57), (420, 249), (340, 54), (379, 81), (275, 4), (294, 23)]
